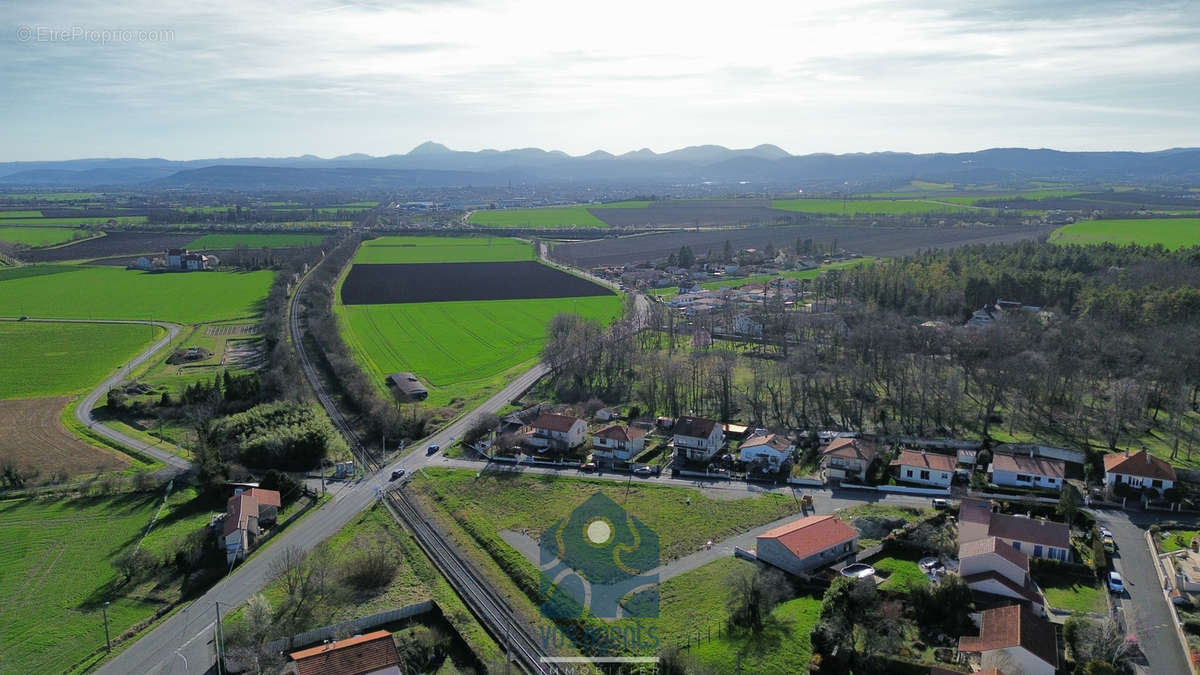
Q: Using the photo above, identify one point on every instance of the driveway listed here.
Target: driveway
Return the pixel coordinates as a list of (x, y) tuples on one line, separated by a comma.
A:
[(1143, 605)]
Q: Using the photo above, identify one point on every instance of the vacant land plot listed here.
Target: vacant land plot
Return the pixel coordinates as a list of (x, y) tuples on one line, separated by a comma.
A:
[(114, 244), (458, 343), (443, 249), (227, 329), (33, 438), (1170, 232), (875, 241), (443, 282), (39, 236), (550, 216), (56, 572), (48, 359), (78, 292), (783, 646), (228, 241), (854, 207)]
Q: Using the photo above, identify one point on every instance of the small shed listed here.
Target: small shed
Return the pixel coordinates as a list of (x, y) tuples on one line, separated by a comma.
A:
[(406, 385)]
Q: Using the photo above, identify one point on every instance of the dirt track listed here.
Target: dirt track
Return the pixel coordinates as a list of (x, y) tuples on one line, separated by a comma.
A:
[(33, 437), (878, 241)]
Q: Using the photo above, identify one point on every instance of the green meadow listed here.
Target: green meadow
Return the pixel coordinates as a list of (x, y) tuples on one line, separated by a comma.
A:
[(83, 292), (1170, 232), (212, 241), (39, 236), (549, 216), (52, 359)]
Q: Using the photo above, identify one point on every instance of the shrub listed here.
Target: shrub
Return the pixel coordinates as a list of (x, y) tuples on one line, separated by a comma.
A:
[(371, 570)]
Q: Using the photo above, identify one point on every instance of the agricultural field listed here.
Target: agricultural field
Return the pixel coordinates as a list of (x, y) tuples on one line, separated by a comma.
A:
[(56, 571), (857, 207), (226, 241), (39, 236), (71, 221), (5, 215), (81, 292), (234, 347), (112, 244), (52, 359), (737, 282), (1170, 232), (461, 350), (33, 438), (548, 216)]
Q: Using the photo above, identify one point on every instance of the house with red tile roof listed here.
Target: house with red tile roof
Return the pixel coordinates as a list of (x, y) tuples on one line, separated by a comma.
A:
[(698, 439), (844, 457), (371, 654), (806, 544), (771, 451), (991, 566), (562, 432), (1014, 639), (618, 442), (246, 512), (924, 468), (1019, 470), (1035, 537), (1139, 469)]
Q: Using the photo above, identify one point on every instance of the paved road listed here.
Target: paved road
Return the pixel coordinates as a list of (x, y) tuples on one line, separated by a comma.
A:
[(83, 411), (1144, 607), (183, 643)]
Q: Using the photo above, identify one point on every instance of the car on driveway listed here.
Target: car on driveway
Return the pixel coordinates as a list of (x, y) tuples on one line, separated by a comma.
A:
[(432, 449), (398, 473), (1115, 583)]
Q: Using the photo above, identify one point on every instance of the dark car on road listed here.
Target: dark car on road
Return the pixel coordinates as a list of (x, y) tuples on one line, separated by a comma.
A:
[(398, 473), (432, 449)]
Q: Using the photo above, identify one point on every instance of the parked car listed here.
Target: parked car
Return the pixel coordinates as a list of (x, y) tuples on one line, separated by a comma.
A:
[(1104, 532), (1115, 583), (939, 503), (398, 473), (432, 449), (644, 471), (587, 466), (1110, 544)]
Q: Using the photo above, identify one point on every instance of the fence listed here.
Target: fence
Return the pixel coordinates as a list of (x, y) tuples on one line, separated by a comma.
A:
[(946, 444), (1012, 498), (901, 489), (350, 627)]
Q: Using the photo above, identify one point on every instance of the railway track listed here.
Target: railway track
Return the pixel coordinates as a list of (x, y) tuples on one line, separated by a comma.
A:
[(489, 607), (363, 455)]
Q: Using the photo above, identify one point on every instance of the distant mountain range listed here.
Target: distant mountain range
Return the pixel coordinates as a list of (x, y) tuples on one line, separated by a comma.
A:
[(434, 165)]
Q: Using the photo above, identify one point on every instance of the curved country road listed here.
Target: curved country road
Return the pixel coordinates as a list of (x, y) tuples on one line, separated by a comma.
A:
[(83, 411)]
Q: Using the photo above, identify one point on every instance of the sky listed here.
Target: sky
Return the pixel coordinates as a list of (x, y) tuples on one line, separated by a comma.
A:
[(230, 78)]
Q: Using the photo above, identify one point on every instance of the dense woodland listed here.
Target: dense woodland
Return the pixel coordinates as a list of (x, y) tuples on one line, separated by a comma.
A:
[(1111, 357)]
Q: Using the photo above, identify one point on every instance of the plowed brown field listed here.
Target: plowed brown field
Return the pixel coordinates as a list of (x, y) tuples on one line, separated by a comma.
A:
[(32, 437)]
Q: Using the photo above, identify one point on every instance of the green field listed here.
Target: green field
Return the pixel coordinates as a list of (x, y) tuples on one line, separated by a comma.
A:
[(98, 220), (737, 282), (211, 241), (39, 236), (51, 359), (855, 207), (783, 647), (458, 348), (5, 215), (48, 196), (82, 292), (443, 249), (549, 216), (1170, 232), (56, 572)]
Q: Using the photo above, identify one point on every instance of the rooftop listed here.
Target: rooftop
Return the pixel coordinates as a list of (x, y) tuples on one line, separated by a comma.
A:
[(1140, 463), (620, 432), (1041, 466), (553, 422), (696, 427), (993, 545), (928, 460), (811, 535), (849, 448), (774, 441), (1014, 626), (354, 656), (1034, 531)]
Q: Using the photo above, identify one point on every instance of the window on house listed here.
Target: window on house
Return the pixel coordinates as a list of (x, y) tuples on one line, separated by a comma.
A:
[(908, 473), (924, 475), (1017, 545), (1156, 483), (1023, 478), (1037, 550)]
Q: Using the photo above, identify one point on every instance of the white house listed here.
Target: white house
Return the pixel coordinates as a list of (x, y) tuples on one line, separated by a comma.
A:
[(618, 442), (990, 565), (1036, 538), (1139, 469), (1014, 640), (769, 450), (847, 457), (924, 468), (744, 324), (557, 431), (806, 544), (245, 512), (698, 439), (1028, 471)]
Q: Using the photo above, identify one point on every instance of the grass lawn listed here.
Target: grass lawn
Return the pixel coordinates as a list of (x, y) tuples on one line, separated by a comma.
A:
[(210, 241), (443, 249), (904, 574), (854, 207), (51, 359), (534, 503), (1176, 540), (83, 292), (39, 236), (549, 216), (1170, 232), (782, 647), (56, 571), (907, 514), (1073, 593)]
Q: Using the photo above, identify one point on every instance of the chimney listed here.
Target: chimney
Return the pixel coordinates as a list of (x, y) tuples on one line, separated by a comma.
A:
[(1031, 452), (1127, 452), (922, 452), (1147, 455)]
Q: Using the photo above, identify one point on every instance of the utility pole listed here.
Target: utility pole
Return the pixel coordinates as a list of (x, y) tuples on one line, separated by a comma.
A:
[(107, 642), (220, 645)]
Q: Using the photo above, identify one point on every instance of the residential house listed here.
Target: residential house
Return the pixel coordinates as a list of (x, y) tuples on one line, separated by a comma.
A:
[(618, 442), (771, 451), (1035, 537), (1019, 470), (370, 654), (806, 544), (844, 457), (924, 468), (744, 324), (1014, 639), (247, 512), (1139, 469), (990, 565), (561, 432), (698, 439)]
